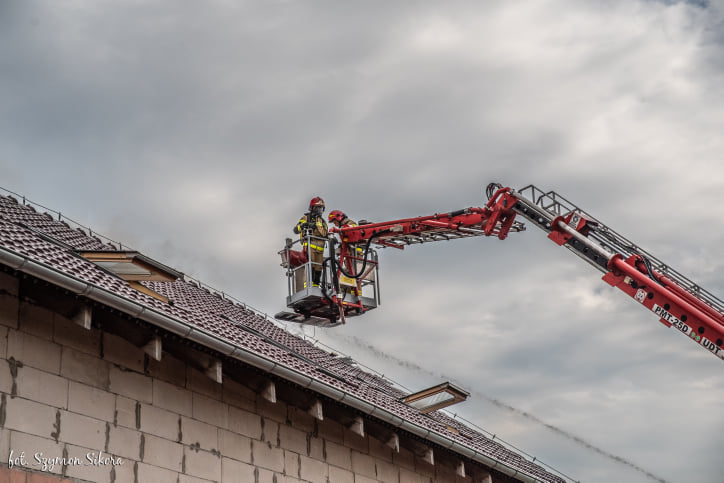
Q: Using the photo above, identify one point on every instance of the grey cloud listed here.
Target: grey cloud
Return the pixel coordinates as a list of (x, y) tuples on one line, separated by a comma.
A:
[(198, 135)]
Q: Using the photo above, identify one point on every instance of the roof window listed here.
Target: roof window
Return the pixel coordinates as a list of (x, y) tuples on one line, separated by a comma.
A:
[(437, 397), (134, 268)]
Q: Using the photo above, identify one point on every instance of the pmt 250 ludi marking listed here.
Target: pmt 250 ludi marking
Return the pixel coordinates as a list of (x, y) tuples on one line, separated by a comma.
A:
[(349, 285)]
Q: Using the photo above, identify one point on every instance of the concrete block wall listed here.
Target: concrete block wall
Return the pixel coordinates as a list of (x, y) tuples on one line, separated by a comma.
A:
[(83, 405)]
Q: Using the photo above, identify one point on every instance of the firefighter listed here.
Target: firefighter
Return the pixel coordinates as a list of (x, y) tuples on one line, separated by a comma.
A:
[(340, 219), (312, 223)]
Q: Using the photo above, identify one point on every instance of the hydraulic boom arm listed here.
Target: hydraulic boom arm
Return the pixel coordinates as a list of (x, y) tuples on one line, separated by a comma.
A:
[(675, 299)]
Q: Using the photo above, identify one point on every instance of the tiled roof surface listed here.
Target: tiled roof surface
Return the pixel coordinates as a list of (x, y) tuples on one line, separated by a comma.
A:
[(21, 230)]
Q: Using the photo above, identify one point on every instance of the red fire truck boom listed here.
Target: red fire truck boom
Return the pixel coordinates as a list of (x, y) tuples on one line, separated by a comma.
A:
[(352, 265)]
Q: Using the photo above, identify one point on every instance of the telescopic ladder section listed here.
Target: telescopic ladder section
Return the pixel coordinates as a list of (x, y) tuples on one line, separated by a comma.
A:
[(674, 298), (464, 223)]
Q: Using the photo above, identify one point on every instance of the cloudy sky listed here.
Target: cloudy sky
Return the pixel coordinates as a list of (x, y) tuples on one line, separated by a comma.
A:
[(197, 132)]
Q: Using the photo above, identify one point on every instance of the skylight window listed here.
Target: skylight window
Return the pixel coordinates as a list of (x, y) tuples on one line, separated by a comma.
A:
[(126, 269), (436, 397), (134, 268)]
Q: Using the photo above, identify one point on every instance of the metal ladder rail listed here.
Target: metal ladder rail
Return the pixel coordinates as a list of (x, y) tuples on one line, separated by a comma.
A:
[(426, 237), (436, 234), (556, 205)]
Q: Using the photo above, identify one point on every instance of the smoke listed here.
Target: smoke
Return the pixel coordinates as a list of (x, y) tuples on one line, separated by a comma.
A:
[(580, 441), (380, 355)]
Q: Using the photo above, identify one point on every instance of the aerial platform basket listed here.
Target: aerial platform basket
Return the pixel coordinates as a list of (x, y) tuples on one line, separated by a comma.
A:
[(319, 293)]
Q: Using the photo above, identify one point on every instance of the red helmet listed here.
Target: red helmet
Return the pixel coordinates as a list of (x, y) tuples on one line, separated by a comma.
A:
[(316, 201), (336, 215)]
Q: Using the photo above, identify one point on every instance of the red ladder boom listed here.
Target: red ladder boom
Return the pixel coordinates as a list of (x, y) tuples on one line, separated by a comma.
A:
[(675, 299)]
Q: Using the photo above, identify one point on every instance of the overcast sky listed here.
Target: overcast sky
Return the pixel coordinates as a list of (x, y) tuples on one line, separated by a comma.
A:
[(197, 132)]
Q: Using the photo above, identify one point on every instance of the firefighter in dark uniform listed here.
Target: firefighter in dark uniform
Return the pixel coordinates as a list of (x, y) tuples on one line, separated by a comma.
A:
[(313, 223)]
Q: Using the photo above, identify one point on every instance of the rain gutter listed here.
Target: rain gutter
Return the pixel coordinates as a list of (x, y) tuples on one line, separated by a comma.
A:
[(91, 291)]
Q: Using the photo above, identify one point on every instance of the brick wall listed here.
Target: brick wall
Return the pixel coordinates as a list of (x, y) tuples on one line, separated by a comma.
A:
[(70, 395)]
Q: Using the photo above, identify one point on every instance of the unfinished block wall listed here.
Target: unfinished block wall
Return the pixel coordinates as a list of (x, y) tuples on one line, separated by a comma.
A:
[(86, 405)]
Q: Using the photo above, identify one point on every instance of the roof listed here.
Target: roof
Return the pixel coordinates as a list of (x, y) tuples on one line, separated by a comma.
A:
[(38, 244)]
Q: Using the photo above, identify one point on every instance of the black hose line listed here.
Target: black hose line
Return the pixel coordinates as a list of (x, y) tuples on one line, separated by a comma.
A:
[(336, 265), (323, 282)]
